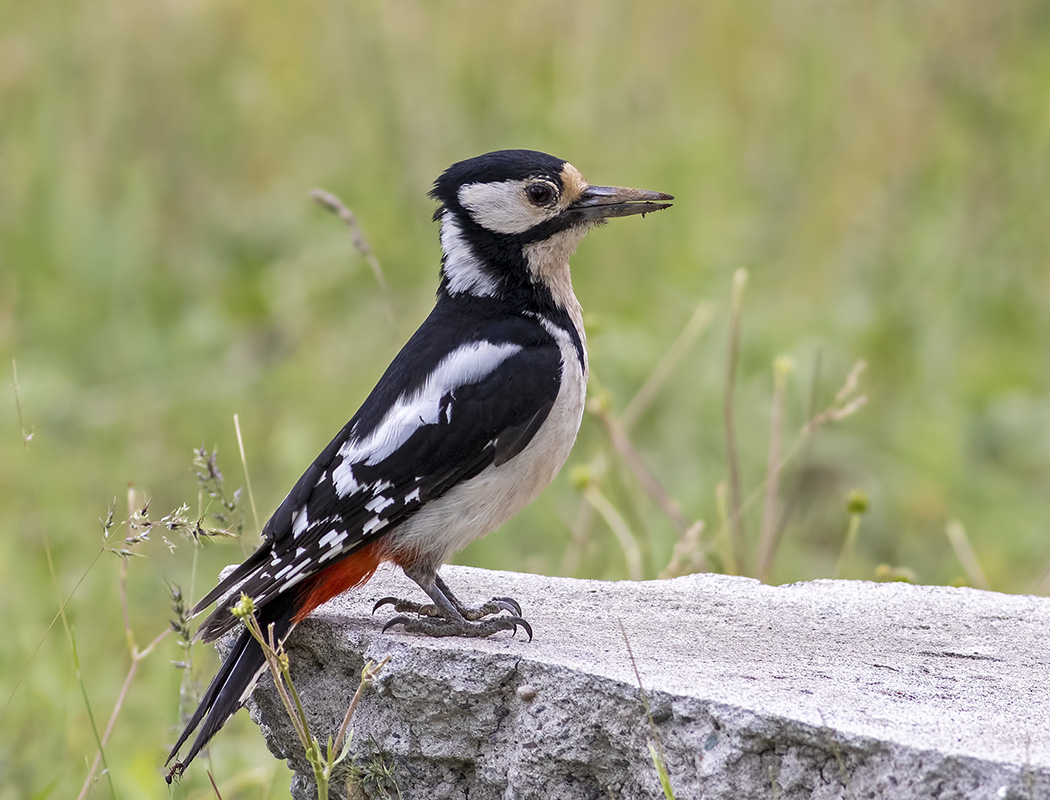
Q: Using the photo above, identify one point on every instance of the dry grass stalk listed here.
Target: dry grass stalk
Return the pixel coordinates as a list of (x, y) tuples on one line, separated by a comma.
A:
[(960, 543), (689, 554), (632, 553), (665, 367), (360, 243), (737, 531), (767, 537)]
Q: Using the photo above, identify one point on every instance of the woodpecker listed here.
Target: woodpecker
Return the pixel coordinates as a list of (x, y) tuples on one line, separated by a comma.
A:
[(469, 423)]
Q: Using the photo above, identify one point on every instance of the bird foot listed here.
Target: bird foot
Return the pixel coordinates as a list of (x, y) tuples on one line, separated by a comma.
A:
[(496, 605), (475, 629)]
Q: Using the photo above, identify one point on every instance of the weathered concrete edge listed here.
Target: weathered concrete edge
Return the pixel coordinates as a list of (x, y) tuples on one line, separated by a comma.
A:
[(763, 745), (803, 760)]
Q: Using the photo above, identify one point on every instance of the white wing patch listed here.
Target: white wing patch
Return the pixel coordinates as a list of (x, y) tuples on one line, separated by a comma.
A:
[(335, 550), (463, 366), (378, 503), (343, 476), (292, 581), (333, 540), (300, 523), (464, 271)]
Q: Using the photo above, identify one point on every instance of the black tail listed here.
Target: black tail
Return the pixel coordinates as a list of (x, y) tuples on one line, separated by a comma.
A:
[(233, 684)]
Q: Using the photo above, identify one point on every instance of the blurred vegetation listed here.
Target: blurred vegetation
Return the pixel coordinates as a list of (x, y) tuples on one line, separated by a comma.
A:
[(880, 170)]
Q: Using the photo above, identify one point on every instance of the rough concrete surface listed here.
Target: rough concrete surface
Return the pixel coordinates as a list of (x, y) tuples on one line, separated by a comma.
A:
[(829, 689)]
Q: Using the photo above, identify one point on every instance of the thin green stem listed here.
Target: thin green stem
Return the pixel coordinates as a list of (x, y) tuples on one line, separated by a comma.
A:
[(619, 527), (247, 477), (767, 537), (960, 543), (137, 657), (368, 676), (80, 678), (656, 746), (737, 532), (58, 615), (91, 715), (848, 544), (360, 243), (625, 449), (277, 661), (26, 437), (643, 398)]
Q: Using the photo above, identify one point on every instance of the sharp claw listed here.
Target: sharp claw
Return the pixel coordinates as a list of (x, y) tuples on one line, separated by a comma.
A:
[(510, 604), (396, 621), (384, 601), (525, 626)]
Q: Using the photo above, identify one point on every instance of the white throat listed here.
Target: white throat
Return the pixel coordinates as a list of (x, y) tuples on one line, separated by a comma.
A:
[(548, 264)]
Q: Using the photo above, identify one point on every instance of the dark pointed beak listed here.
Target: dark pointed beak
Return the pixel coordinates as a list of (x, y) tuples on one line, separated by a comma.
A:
[(603, 202)]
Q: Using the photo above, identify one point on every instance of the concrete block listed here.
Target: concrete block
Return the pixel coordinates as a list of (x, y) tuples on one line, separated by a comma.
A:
[(820, 690)]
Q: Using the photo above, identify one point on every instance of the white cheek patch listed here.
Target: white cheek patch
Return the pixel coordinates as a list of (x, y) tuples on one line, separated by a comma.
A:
[(502, 207), (464, 271), (463, 366)]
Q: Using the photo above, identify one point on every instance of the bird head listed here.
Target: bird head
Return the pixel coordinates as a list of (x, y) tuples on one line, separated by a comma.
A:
[(510, 220)]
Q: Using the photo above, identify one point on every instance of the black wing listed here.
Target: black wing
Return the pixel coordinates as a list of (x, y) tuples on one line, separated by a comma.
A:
[(396, 455)]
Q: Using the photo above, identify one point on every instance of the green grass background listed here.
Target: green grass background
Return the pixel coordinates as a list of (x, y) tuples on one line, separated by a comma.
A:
[(881, 170)]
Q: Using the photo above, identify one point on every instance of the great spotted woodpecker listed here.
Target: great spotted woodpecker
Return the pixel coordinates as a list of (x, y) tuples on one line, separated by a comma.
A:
[(470, 422)]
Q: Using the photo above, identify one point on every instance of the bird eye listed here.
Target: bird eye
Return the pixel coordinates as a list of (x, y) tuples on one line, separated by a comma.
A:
[(540, 194)]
